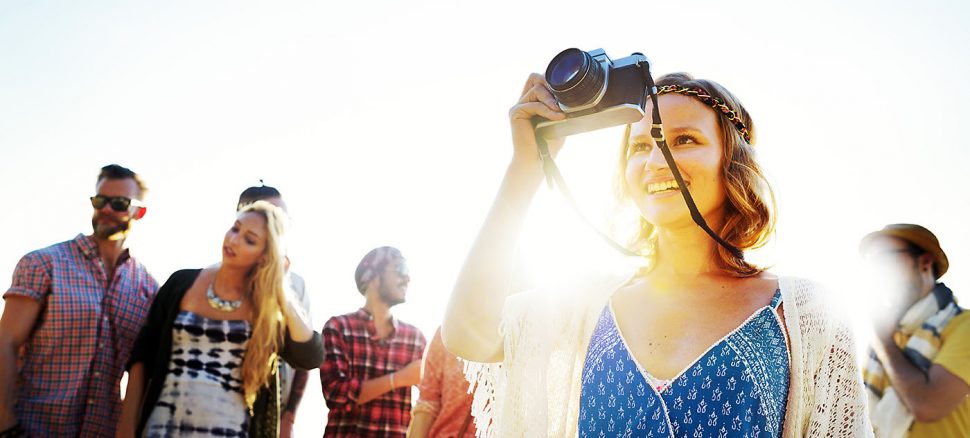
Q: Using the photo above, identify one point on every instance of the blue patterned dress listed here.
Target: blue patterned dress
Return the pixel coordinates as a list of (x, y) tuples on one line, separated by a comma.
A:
[(738, 388)]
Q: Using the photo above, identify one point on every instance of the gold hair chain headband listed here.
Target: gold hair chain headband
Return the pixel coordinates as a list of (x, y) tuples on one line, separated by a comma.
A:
[(714, 102)]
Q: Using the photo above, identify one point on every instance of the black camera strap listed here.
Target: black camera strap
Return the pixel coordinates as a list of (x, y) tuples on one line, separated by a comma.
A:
[(657, 132), (554, 177)]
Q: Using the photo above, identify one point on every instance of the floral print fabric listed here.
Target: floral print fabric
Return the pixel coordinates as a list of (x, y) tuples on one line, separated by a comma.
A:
[(738, 388)]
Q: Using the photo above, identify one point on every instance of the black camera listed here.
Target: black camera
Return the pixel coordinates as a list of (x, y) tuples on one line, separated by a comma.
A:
[(594, 91)]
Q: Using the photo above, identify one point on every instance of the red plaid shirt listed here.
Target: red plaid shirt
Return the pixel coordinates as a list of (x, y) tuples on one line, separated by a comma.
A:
[(69, 382), (353, 356)]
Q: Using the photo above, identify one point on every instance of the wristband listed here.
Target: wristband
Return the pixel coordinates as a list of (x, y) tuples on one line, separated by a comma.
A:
[(392, 381)]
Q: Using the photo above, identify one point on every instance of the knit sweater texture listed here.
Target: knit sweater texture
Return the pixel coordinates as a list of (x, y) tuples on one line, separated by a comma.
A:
[(535, 390)]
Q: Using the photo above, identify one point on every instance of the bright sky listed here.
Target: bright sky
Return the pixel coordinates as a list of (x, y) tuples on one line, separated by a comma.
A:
[(386, 123)]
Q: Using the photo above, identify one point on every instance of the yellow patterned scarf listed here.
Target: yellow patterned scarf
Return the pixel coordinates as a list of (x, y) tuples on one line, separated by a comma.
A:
[(918, 337)]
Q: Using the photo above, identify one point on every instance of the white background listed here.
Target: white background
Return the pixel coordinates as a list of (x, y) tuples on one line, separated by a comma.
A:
[(385, 123)]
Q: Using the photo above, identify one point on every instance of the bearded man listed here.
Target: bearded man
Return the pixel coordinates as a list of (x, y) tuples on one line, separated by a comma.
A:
[(71, 316), (371, 358)]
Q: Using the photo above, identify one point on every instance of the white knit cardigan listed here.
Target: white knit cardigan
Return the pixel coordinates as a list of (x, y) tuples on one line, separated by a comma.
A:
[(535, 391)]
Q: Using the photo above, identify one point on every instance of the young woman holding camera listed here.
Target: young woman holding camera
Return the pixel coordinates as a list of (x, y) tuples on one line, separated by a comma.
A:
[(698, 343), (205, 363)]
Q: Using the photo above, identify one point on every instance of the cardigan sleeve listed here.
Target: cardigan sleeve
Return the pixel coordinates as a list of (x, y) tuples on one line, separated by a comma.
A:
[(839, 408), (303, 355), (168, 297)]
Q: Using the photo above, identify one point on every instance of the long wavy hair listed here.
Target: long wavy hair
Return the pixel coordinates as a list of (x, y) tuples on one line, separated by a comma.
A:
[(266, 293), (750, 211)]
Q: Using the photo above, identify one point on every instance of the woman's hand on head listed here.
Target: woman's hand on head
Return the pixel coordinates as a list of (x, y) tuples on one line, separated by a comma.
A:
[(536, 100)]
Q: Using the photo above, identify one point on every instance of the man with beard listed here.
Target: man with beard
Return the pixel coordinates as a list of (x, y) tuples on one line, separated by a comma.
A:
[(918, 373), (72, 313), (372, 359)]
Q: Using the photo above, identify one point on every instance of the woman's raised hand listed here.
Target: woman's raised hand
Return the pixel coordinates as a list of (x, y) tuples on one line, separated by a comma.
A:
[(471, 326), (536, 100)]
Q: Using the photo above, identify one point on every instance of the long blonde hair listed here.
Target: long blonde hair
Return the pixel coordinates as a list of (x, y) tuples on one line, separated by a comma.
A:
[(266, 294), (750, 212)]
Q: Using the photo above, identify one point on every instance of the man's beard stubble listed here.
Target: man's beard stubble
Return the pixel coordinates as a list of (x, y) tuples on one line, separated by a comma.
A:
[(385, 293), (113, 229)]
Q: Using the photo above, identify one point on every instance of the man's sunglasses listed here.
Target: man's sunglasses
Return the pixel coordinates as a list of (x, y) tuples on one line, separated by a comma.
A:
[(117, 203), (402, 270)]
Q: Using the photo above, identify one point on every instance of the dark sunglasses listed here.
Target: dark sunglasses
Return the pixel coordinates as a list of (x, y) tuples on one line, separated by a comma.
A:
[(117, 203)]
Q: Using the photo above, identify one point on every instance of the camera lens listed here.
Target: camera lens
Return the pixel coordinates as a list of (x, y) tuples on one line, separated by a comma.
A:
[(565, 67), (575, 77)]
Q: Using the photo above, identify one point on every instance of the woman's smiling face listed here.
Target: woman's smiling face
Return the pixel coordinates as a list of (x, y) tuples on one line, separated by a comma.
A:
[(693, 133)]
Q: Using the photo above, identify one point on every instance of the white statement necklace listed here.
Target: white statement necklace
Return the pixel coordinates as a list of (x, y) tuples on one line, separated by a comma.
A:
[(219, 303)]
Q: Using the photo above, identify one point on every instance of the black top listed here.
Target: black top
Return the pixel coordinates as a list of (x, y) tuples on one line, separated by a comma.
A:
[(153, 349)]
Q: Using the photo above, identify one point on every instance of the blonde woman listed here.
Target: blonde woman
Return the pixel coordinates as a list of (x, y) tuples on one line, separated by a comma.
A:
[(205, 363), (699, 343)]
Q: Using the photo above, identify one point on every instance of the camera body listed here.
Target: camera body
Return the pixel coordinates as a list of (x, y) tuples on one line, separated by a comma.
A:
[(594, 91)]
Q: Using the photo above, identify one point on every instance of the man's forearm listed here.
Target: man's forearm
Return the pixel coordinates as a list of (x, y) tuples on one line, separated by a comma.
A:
[(909, 382), (8, 386), (300, 378), (930, 396), (373, 388)]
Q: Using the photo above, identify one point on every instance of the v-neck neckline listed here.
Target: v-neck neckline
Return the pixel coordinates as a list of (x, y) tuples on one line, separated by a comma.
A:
[(647, 375)]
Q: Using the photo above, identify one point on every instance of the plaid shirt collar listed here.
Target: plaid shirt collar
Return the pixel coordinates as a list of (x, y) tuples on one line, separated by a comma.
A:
[(365, 315), (89, 247)]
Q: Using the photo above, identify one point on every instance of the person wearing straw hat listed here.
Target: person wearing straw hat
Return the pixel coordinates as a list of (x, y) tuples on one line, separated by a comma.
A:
[(918, 372)]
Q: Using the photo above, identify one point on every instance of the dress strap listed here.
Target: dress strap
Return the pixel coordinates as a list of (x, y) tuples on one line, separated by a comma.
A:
[(776, 300)]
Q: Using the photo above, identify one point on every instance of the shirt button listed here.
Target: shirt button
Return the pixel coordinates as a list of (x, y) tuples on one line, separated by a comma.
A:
[(90, 401), (97, 374), (100, 344), (105, 319)]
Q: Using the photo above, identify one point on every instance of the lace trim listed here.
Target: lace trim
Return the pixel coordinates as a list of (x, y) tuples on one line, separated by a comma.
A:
[(658, 384)]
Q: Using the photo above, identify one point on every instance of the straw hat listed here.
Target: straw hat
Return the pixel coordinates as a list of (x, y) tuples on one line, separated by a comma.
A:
[(917, 235)]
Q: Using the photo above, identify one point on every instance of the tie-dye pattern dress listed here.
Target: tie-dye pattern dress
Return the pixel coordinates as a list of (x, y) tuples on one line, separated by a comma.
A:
[(202, 395)]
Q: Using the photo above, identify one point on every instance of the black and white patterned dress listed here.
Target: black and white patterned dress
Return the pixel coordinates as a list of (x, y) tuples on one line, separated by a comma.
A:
[(202, 395)]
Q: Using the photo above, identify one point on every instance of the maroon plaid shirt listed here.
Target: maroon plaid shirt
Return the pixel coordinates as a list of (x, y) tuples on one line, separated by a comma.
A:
[(68, 385), (353, 356)]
